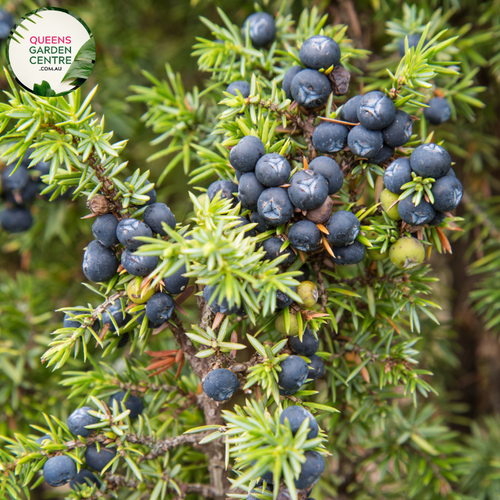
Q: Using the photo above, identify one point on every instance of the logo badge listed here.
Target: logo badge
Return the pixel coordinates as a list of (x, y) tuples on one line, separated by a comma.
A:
[(50, 52)]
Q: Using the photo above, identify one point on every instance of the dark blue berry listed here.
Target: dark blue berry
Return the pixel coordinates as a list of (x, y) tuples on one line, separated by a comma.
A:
[(293, 373), (138, 265), (262, 29), (296, 416), (16, 219), (6, 24), (349, 255), (272, 248), (15, 178), (238, 174), (249, 190), (41, 439), (447, 192), (225, 190), (152, 197), (262, 225), (319, 52), (287, 392), (220, 304), (268, 477), (349, 111), (316, 367), (69, 322), (311, 470), (159, 308), (274, 206), (133, 403), (99, 262), (240, 85), (220, 384), (330, 170), (43, 167), (308, 189), (245, 155), (244, 222), (430, 160), (115, 311), (97, 460), (128, 229), (305, 236), (83, 477), (123, 340), (104, 230), (305, 347), (397, 174), (383, 155), (376, 111), (272, 170), (330, 137), (79, 419), (151, 193), (413, 41), (364, 142), (283, 300), (156, 214), (24, 195), (438, 112), (306, 273), (343, 228), (287, 80), (59, 470), (438, 218), (176, 283), (399, 131), (310, 88), (415, 215)]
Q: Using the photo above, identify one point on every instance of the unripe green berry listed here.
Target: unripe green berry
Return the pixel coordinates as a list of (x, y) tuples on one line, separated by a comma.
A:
[(387, 199), (308, 292), (137, 295), (407, 253), (279, 324), (374, 254)]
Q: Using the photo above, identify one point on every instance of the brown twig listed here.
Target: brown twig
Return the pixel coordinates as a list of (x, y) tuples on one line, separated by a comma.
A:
[(201, 366)]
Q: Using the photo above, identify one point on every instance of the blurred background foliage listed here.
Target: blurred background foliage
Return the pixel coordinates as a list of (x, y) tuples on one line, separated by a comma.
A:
[(41, 269)]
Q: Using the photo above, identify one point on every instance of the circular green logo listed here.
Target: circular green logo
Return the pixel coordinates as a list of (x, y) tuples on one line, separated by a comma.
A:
[(50, 52)]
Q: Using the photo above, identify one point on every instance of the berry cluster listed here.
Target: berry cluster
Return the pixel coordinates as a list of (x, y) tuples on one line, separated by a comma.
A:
[(428, 161), (314, 466), (381, 128), (61, 469), (220, 384), (112, 251), (19, 188), (370, 127), (429, 165), (302, 202)]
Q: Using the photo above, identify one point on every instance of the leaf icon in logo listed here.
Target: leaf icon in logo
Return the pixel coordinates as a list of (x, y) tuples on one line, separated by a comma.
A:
[(43, 89), (82, 65)]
